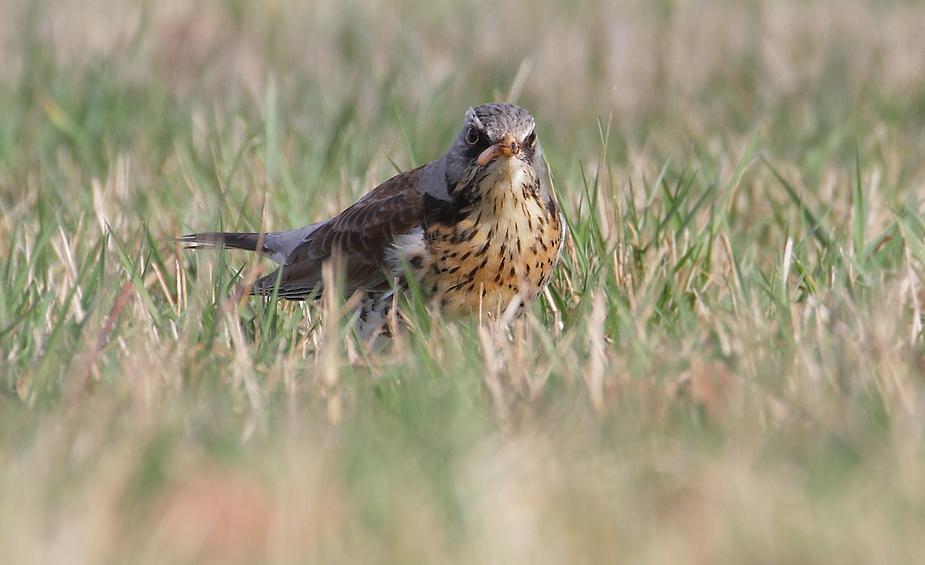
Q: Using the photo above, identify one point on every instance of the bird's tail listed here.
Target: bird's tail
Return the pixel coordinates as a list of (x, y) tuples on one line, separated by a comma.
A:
[(231, 240), (276, 246)]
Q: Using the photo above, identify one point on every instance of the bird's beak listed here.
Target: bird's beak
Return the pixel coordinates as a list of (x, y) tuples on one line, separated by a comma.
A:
[(508, 147)]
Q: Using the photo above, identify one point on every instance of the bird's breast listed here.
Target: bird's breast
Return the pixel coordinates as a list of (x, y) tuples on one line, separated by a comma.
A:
[(507, 245)]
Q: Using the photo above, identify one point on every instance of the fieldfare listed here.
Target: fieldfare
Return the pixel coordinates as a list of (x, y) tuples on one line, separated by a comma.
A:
[(477, 230)]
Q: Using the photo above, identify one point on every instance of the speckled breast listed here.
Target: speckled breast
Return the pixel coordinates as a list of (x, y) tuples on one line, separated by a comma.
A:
[(481, 263)]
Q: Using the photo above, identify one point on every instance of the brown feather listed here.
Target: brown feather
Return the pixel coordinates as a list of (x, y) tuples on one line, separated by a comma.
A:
[(360, 235)]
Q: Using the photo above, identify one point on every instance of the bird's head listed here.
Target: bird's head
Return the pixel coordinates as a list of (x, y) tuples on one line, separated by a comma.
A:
[(495, 138)]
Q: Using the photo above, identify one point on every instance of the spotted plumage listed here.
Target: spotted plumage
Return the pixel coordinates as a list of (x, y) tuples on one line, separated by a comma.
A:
[(476, 229)]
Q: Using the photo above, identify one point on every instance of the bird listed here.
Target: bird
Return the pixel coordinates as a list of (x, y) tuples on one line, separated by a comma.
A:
[(477, 231)]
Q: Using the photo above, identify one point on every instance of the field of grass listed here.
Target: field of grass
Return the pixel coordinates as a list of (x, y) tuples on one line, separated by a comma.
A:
[(727, 368)]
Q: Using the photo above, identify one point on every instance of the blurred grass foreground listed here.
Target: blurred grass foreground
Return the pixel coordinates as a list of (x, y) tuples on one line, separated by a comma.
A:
[(727, 368)]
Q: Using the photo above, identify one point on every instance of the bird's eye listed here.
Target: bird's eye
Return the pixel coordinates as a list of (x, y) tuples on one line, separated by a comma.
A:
[(528, 142), (472, 135)]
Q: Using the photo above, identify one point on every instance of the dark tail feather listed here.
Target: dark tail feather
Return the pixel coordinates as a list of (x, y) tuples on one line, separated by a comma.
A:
[(245, 241)]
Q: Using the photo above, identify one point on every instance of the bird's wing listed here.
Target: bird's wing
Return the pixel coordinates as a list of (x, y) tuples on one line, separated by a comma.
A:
[(358, 237)]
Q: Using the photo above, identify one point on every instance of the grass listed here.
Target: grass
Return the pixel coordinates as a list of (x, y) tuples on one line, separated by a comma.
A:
[(727, 366)]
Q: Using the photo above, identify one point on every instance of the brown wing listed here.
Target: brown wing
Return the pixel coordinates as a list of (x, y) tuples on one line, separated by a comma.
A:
[(359, 236)]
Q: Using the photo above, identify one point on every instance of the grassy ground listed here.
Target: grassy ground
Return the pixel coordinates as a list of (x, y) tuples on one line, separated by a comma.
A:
[(727, 368)]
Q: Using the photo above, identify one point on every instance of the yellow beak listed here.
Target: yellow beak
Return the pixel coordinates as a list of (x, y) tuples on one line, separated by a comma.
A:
[(508, 147)]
